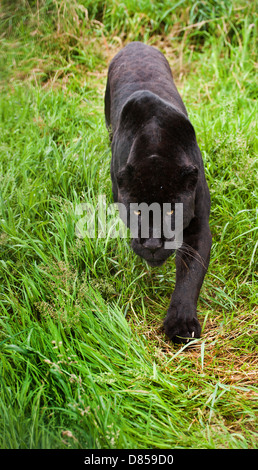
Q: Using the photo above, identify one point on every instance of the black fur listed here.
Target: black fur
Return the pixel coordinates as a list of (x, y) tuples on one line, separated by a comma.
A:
[(155, 158)]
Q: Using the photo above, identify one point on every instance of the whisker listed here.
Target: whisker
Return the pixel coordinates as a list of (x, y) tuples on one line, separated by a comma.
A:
[(191, 252), (183, 261), (193, 257)]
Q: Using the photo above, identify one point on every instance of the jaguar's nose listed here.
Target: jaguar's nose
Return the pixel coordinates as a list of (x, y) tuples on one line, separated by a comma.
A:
[(152, 244)]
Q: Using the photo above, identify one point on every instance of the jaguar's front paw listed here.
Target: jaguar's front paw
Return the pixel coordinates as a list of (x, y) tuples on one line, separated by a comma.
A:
[(182, 326)]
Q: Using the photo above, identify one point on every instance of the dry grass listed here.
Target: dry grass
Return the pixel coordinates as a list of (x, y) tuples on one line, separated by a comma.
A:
[(218, 354)]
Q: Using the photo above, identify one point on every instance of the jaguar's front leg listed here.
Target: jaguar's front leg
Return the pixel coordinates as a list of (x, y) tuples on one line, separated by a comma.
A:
[(192, 259)]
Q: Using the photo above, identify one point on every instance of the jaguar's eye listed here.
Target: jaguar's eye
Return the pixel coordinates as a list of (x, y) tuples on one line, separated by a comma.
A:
[(170, 212), (137, 212)]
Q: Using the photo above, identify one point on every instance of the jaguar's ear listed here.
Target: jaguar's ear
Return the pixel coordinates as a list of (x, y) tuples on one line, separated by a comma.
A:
[(189, 176), (124, 175), (138, 109)]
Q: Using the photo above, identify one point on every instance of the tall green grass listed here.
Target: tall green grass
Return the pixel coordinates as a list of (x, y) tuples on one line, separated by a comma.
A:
[(84, 360)]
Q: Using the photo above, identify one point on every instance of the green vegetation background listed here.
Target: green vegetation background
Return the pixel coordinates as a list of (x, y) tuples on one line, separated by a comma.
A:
[(84, 360)]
